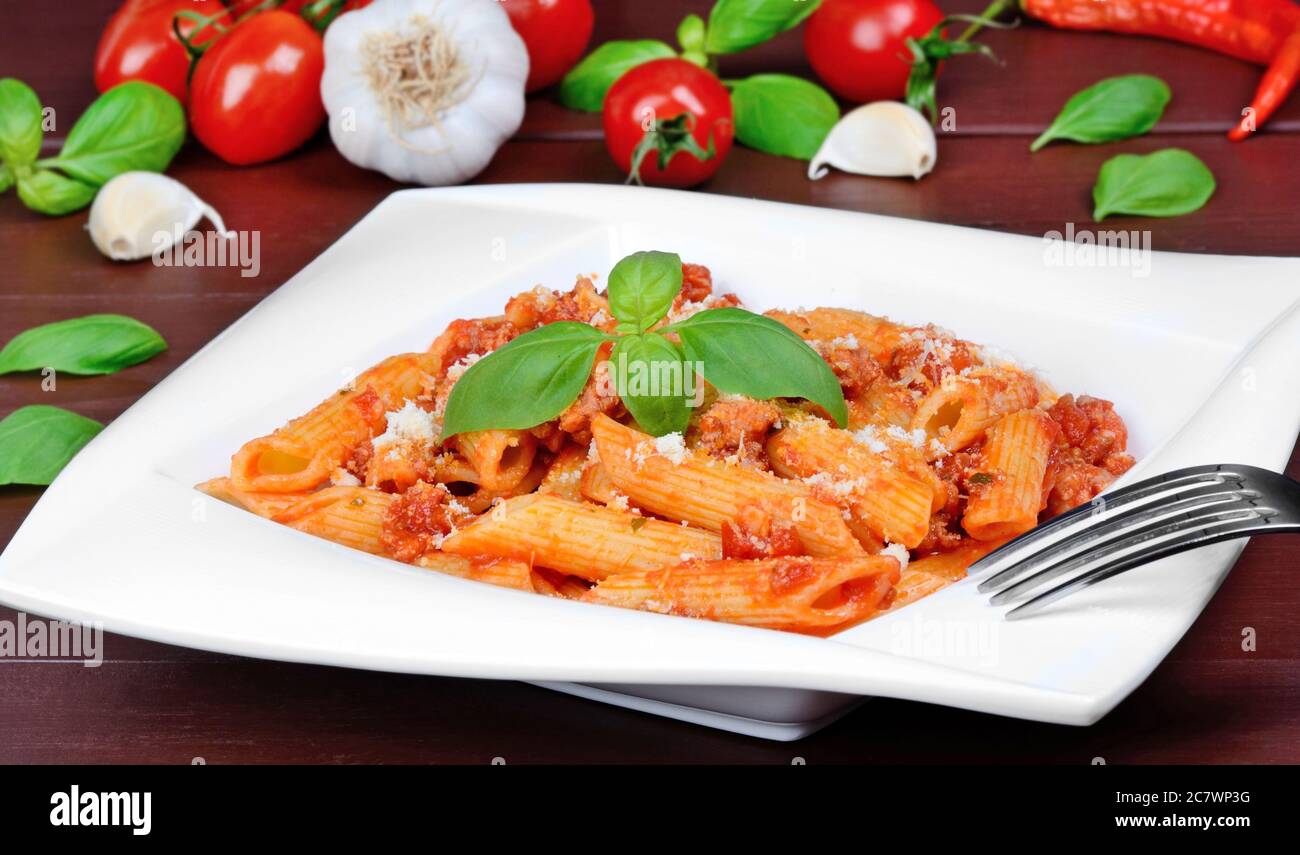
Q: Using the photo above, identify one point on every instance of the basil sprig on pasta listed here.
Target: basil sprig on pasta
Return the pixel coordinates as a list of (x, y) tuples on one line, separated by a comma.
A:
[(655, 369)]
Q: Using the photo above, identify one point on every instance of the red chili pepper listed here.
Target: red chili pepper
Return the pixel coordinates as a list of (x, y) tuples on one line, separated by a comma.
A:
[(1266, 32)]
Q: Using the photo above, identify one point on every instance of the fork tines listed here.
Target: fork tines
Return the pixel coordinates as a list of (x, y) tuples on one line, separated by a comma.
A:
[(1144, 522)]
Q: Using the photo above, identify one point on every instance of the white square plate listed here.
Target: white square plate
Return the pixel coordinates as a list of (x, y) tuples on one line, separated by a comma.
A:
[(1201, 357)]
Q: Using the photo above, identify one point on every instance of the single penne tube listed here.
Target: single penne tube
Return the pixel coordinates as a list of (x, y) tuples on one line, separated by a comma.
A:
[(461, 480), (672, 481), (262, 504), (595, 484), (579, 538), (798, 593), (892, 504), (302, 454), (882, 405), (925, 576), (1014, 462), (502, 572), (564, 474), (352, 516), (880, 336), (958, 411), (501, 457)]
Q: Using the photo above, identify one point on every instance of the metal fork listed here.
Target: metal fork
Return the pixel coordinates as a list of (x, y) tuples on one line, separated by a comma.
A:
[(1144, 522)]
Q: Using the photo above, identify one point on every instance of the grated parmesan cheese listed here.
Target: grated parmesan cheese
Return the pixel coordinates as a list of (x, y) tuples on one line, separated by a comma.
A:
[(870, 437), (410, 424), (898, 552), (458, 369), (672, 446)]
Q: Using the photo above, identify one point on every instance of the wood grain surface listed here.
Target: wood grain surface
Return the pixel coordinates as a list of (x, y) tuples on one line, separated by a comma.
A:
[(1209, 702)]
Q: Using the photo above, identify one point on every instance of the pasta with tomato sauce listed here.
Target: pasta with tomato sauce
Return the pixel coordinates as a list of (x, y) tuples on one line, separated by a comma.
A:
[(761, 512)]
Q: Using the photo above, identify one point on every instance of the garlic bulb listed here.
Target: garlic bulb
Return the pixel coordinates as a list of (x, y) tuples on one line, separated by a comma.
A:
[(883, 138), (139, 213), (424, 90)]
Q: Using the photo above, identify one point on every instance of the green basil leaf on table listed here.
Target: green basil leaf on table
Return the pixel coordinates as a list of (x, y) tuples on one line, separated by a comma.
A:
[(584, 87), (1114, 109), (94, 344), (784, 115), (1166, 183), (51, 193), (36, 442), (528, 381), (735, 25), (133, 126), (639, 358), (642, 288), (748, 354), (20, 123), (6, 177)]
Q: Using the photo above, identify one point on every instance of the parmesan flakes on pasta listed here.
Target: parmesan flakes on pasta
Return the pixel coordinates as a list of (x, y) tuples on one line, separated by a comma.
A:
[(409, 425), (898, 552), (672, 446)]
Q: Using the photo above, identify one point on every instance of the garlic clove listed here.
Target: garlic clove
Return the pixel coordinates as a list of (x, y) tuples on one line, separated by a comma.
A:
[(139, 213), (883, 138)]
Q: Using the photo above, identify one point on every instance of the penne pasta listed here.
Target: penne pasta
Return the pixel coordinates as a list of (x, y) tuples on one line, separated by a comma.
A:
[(880, 336), (1015, 461), (302, 454), (578, 538), (501, 458), (262, 504), (352, 516), (925, 576), (801, 593), (760, 511), (596, 486), (564, 474), (887, 501), (502, 572), (960, 409), (685, 485)]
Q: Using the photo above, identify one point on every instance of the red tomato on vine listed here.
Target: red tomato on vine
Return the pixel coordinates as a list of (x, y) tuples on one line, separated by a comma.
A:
[(140, 44), (255, 94), (859, 47), (555, 32), (668, 122)]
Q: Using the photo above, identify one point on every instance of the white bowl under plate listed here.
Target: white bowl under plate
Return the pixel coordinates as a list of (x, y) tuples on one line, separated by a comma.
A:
[(1201, 357)]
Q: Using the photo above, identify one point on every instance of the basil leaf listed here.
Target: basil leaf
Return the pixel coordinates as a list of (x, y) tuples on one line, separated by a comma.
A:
[(36, 442), (6, 177), (1114, 109), (584, 87), (644, 366), (20, 123), (530, 380), (94, 344), (784, 115), (642, 288), (738, 24), (134, 125), (747, 354), (1167, 183), (51, 193)]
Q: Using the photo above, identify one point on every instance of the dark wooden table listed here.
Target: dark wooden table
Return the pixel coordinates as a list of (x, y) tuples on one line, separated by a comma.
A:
[(1209, 702)]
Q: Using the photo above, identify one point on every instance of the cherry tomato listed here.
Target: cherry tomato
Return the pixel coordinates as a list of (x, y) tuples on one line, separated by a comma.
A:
[(857, 47), (139, 44), (556, 33), (256, 91), (672, 98)]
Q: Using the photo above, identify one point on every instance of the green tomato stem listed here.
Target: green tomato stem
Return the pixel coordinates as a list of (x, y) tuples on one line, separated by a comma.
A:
[(993, 12)]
